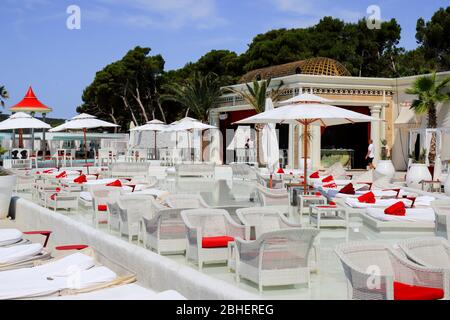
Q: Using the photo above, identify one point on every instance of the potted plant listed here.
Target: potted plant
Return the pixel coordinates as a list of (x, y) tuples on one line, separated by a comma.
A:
[(418, 172), (385, 167)]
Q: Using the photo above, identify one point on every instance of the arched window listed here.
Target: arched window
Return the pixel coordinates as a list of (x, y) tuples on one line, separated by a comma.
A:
[(298, 70), (258, 77)]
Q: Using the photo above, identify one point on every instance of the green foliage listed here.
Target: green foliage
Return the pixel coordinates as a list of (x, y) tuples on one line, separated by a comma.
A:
[(131, 89), (198, 94), (429, 93), (257, 92), (433, 36), (3, 151)]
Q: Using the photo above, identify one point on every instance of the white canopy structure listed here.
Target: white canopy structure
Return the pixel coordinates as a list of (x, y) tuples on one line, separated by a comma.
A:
[(308, 110), (20, 121), (84, 122), (442, 145), (154, 126), (187, 125), (270, 146)]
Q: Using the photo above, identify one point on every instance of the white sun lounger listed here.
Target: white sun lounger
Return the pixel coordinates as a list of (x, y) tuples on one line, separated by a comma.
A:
[(10, 236), (421, 220), (23, 256), (125, 292), (69, 275)]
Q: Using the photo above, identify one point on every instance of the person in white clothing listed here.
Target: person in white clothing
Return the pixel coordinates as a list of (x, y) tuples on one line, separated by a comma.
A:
[(371, 155)]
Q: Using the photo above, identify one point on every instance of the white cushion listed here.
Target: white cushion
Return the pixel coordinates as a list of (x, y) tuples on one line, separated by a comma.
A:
[(10, 236), (86, 196), (412, 215), (19, 253)]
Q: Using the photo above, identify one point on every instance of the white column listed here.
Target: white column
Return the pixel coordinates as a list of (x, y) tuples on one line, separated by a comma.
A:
[(316, 146), (375, 132)]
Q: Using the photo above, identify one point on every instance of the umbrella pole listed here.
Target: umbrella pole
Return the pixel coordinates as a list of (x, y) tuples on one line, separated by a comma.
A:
[(85, 149), (155, 132), (20, 138), (305, 155)]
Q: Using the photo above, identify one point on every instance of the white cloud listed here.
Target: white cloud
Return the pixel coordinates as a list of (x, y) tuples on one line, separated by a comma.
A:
[(172, 14), (311, 11)]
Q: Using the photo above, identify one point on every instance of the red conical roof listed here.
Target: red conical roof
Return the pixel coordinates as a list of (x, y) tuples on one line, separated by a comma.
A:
[(30, 103)]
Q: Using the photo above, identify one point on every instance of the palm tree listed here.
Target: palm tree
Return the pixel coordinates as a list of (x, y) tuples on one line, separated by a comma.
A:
[(256, 95), (3, 95), (198, 94), (429, 93)]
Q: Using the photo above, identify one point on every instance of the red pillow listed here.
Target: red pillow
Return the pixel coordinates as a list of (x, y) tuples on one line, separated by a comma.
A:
[(80, 179), (216, 242), (315, 175), (61, 175), (408, 292), (102, 207), (116, 183), (397, 209), (348, 189), (328, 179), (330, 185), (280, 171), (367, 198), (53, 196)]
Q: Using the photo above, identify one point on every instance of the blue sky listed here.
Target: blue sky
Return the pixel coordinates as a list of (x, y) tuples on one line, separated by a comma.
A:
[(38, 49)]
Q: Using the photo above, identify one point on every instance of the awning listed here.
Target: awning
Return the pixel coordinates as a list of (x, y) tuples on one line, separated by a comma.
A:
[(407, 119)]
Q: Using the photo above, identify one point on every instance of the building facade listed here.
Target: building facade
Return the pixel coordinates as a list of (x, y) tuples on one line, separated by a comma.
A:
[(381, 98)]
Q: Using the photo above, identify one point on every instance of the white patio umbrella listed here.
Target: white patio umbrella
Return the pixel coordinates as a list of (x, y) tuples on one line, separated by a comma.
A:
[(154, 126), (270, 146), (189, 125), (308, 110), (84, 122), (22, 120)]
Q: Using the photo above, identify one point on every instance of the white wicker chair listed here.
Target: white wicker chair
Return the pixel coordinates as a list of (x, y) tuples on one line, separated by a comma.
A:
[(206, 224), (429, 252), (165, 232), (113, 216), (264, 219), (276, 258), (62, 200), (243, 171), (132, 209), (185, 201), (101, 196), (273, 197), (374, 270), (442, 211), (206, 170)]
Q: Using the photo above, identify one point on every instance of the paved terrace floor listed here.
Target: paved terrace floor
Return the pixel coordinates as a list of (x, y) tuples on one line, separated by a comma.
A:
[(328, 283)]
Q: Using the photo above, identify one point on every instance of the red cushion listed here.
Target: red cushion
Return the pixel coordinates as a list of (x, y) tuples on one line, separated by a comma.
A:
[(367, 198), (280, 171), (61, 175), (315, 175), (116, 183), (348, 189), (407, 292), (330, 185), (80, 179), (216, 242), (72, 247), (397, 209), (102, 207), (328, 179)]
